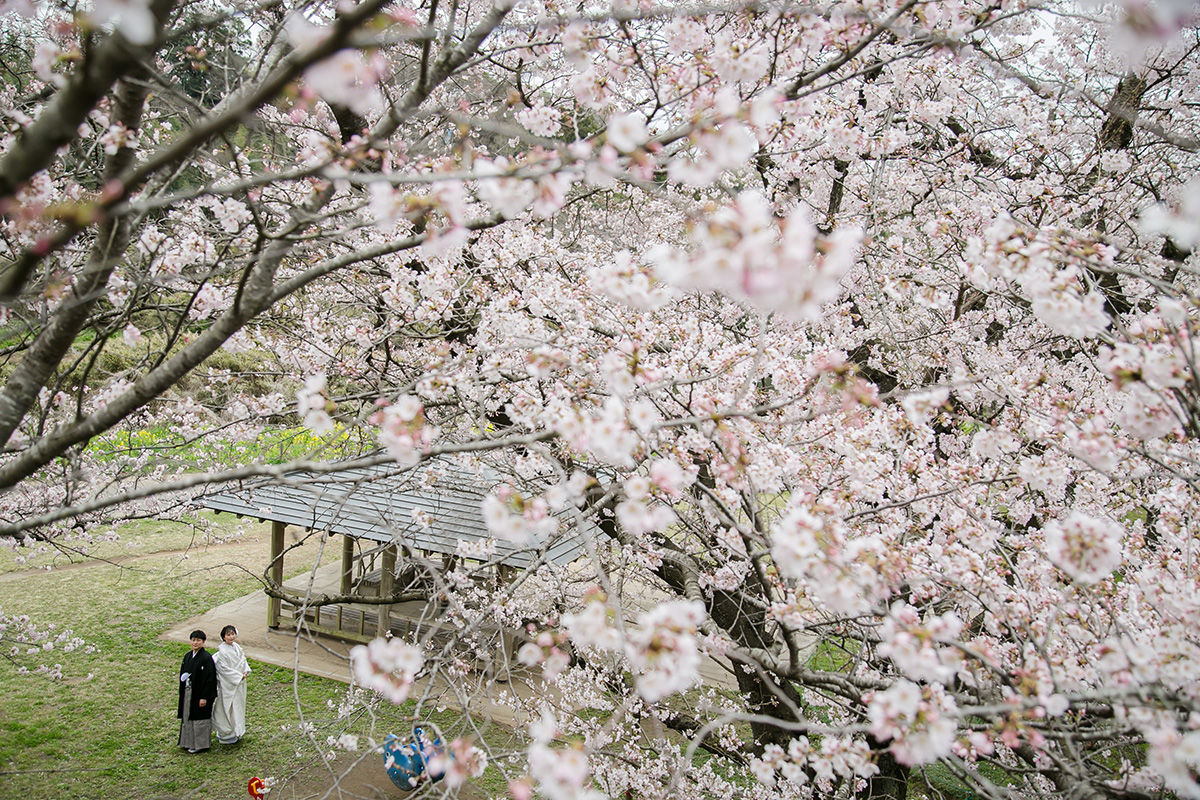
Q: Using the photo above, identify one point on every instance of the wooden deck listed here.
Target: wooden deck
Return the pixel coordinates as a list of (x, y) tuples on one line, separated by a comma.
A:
[(424, 621)]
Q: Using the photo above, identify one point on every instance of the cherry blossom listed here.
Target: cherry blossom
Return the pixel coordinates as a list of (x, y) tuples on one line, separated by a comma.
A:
[(313, 405), (540, 119), (915, 645), (561, 774), (1181, 222), (663, 651), (592, 626), (515, 518), (744, 251), (133, 18), (461, 762), (346, 77), (626, 132), (403, 431), (920, 723), (387, 666), (131, 335), (847, 354), (1086, 548)]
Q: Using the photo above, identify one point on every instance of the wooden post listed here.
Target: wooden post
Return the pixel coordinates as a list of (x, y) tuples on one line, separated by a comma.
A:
[(347, 563), (387, 584), (347, 572), (508, 638), (274, 606), (504, 575), (502, 671)]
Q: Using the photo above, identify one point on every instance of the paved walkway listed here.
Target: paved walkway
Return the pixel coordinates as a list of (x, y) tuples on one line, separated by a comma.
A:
[(325, 657), (328, 657)]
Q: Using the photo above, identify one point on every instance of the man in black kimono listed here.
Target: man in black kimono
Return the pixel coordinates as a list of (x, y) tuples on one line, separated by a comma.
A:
[(197, 692)]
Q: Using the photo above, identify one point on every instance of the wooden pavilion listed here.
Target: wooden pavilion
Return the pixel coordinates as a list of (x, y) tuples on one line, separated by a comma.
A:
[(394, 523)]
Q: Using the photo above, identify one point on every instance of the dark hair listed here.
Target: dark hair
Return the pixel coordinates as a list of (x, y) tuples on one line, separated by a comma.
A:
[(198, 635), (226, 630)]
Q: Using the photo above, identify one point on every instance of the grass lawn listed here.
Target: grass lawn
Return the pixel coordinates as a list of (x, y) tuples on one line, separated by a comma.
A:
[(113, 735), (132, 541)]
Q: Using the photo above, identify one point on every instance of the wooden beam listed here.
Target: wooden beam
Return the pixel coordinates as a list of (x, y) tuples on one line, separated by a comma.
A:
[(387, 583), (273, 604)]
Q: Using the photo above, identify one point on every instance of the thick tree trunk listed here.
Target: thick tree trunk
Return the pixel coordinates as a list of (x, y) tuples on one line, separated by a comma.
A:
[(747, 630), (892, 780), (1117, 134), (764, 700)]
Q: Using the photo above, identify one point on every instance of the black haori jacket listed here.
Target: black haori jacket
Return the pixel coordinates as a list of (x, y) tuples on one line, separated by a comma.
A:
[(204, 683)]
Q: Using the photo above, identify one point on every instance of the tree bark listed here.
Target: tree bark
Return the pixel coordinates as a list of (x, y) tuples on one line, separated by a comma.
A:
[(59, 123), (255, 295), (891, 782), (56, 339)]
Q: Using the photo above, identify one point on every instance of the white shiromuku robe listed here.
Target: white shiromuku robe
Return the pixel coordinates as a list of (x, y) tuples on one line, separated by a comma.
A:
[(229, 717)]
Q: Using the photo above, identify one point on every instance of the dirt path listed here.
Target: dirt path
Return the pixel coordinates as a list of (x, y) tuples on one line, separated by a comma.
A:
[(86, 561), (365, 781)]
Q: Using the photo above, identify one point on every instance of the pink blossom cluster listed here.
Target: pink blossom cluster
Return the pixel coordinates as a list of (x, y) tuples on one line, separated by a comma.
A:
[(117, 137), (1147, 368), (569, 492), (630, 283), (231, 214), (921, 648), (662, 648), (387, 666), (109, 393), (627, 132), (21, 638), (747, 252), (919, 721), (919, 407), (500, 186), (1176, 757), (403, 429), (562, 773), (314, 405), (132, 18), (461, 761), (727, 146), (482, 549), (638, 512), (346, 77), (1008, 254), (540, 119), (592, 626), (1181, 221), (511, 516), (835, 569), (545, 650), (1088, 549), (1148, 25), (836, 757), (1146, 414), (606, 434)]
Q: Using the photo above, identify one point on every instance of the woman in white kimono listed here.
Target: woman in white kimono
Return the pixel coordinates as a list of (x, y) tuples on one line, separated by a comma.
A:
[(229, 717)]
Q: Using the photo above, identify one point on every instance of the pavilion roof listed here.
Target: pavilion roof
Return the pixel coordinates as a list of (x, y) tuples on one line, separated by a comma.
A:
[(381, 503)]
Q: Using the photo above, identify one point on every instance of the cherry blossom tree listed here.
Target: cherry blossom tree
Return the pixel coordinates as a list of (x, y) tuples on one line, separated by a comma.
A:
[(853, 339)]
